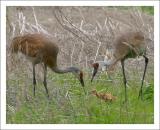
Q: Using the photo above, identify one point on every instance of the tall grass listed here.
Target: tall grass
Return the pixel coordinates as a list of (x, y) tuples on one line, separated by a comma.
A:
[(69, 104)]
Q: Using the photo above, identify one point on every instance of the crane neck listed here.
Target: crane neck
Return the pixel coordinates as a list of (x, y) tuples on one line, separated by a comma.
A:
[(65, 70)]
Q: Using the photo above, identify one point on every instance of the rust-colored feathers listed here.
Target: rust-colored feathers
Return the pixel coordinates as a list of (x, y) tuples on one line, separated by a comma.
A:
[(36, 46)]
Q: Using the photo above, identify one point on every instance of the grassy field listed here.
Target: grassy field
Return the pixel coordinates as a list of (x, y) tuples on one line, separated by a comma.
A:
[(69, 104)]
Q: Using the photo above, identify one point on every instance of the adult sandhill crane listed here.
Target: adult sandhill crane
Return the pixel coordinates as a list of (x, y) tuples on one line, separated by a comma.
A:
[(40, 49), (127, 45)]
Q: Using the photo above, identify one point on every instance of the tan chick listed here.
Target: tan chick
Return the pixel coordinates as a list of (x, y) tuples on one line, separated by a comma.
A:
[(104, 96)]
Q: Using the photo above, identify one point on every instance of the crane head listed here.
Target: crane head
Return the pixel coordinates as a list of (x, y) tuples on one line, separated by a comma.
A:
[(81, 78), (95, 70), (78, 74)]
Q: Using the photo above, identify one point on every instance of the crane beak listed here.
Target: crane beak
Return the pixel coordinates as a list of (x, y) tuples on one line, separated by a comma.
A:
[(94, 73)]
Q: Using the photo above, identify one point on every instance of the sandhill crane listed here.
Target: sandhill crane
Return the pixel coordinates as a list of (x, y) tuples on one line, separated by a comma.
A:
[(40, 49), (127, 45)]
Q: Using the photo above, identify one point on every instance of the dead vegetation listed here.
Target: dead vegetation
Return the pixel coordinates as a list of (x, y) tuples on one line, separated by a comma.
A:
[(84, 35)]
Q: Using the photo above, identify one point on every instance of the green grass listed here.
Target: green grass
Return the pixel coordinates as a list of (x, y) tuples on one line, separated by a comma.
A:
[(145, 9), (68, 103), (148, 9)]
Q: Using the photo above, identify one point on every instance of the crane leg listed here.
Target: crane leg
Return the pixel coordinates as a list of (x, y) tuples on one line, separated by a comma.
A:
[(45, 79), (34, 80), (140, 91), (124, 79)]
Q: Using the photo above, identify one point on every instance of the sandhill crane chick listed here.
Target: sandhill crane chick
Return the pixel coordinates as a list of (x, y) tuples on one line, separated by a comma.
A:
[(104, 96)]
